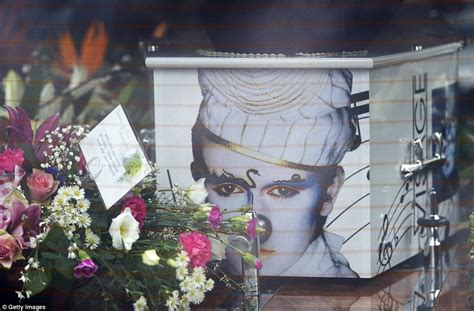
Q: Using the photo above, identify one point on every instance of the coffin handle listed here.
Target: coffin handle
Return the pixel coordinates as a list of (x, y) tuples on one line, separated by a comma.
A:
[(407, 170)]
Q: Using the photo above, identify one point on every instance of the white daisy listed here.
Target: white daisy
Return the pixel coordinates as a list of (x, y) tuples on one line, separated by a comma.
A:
[(184, 301), (77, 193), (83, 204), (181, 273), (60, 199), (198, 277), (92, 240), (182, 259), (195, 296), (209, 285), (84, 220), (140, 304), (172, 302), (186, 285)]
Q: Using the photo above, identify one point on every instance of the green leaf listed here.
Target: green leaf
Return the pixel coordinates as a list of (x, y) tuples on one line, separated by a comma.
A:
[(127, 92), (61, 283), (65, 267), (56, 240), (99, 221), (49, 255), (29, 154), (105, 256), (39, 279)]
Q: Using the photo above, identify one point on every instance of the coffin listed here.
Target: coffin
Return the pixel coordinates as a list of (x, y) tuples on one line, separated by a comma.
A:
[(338, 152)]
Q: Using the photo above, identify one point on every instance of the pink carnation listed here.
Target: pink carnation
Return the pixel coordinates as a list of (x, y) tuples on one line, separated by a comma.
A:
[(252, 228), (198, 248), (11, 158), (215, 217), (137, 207), (86, 268)]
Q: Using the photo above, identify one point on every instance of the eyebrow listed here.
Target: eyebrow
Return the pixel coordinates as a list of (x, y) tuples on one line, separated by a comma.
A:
[(304, 183), (227, 177)]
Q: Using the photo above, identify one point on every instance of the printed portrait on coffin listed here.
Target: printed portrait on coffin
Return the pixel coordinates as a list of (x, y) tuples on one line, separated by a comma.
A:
[(274, 139)]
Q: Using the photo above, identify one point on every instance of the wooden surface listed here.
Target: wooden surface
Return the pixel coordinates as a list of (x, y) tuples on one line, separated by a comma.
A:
[(396, 289)]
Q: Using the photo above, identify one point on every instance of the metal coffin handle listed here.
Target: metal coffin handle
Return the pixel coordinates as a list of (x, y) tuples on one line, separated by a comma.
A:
[(409, 169)]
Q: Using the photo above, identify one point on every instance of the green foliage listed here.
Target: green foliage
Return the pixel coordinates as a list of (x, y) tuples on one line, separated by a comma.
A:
[(39, 279)]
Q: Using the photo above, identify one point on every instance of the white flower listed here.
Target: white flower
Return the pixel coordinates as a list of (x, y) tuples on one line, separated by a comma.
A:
[(35, 265), (83, 205), (186, 285), (195, 296), (19, 294), (197, 192), (182, 259), (198, 277), (124, 230), (209, 285), (172, 301), (77, 193), (150, 257), (60, 199), (47, 94), (84, 220), (71, 255), (184, 303), (24, 278), (28, 293), (33, 242), (79, 75), (140, 304), (181, 273), (13, 87), (64, 192), (92, 240), (67, 192)]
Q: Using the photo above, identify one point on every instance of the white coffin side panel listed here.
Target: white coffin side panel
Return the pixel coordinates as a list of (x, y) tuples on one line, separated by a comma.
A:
[(400, 111), (177, 99), (375, 212)]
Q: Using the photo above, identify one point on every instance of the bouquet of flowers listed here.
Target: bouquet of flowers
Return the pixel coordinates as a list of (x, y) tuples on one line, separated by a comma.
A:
[(153, 248)]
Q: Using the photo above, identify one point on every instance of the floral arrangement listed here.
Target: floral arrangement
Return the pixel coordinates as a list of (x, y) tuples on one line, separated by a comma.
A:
[(471, 263), (153, 248)]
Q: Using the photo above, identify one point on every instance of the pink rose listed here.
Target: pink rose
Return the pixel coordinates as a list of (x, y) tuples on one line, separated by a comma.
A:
[(11, 158), (215, 217), (137, 207), (10, 250), (86, 268), (41, 185), (258, 264), (198, 248), (252, 228)]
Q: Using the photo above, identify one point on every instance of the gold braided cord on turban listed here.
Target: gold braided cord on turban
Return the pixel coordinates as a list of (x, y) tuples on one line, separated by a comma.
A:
[(289, 115)]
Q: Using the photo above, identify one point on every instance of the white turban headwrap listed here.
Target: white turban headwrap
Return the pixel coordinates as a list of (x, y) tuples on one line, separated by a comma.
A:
[(292, 117)]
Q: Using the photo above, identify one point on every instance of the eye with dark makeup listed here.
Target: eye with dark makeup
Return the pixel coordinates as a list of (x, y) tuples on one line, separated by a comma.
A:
[(227, 189), (283, 192)]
